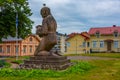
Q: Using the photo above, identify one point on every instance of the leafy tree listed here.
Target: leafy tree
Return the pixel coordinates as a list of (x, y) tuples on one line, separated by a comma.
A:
[(8, 11)]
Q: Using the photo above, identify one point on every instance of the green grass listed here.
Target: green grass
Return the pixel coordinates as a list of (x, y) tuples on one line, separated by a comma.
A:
[(34, 74), (106, 70), (82, 70), (18, 61), (110, 55)]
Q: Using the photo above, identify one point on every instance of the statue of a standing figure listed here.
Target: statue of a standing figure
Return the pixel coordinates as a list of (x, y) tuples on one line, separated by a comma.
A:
[(47, 31)]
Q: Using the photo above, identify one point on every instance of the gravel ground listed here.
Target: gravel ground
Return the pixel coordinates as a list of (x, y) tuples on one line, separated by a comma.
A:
[(89, 58)]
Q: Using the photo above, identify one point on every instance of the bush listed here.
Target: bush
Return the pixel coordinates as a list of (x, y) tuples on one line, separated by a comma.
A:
[(17, 61), (3, 63)]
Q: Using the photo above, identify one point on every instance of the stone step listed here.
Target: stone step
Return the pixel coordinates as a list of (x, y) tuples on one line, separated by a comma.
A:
[(46, 61), (48, 58), (45, 66)]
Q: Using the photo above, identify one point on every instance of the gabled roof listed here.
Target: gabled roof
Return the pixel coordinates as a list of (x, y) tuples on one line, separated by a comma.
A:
[(34, 35), (9, 38), (84, 34), (105, 30)]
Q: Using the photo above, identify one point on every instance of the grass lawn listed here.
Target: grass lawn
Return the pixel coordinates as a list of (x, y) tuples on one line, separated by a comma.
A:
[(109, 55), (83, 70)]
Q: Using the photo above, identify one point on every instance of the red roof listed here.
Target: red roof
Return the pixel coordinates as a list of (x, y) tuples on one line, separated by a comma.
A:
[(105, 30), (84, 34)]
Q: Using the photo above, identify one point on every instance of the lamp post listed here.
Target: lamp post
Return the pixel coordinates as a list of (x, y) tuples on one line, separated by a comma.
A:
[(16, 35)]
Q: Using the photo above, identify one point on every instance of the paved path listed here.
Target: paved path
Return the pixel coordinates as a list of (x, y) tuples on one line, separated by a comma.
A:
[(89, 58), (13, 65)]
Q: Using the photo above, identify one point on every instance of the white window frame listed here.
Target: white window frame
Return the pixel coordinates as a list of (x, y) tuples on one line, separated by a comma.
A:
[(31, 47), (116, 33), (84, 44), (68, 44), (97, 34), (101, 44), (94, 44), (116, 44)]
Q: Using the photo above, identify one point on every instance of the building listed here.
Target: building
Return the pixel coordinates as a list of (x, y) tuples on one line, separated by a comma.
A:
[(25, 47), (78, 43), (105, 39), (60, 46)]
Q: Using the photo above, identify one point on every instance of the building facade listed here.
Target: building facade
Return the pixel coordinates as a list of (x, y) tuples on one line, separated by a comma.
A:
[(21, 47), (61, 43), (78, 43), (105, 39)]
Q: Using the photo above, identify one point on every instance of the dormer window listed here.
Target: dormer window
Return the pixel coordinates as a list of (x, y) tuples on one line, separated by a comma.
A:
[(116, 34), (97, 34)]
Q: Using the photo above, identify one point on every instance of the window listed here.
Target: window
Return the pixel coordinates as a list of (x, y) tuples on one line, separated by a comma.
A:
[(30, 49), (16, 49), (58, 38), (30, 39), (59, 42), (101, 44), (84, 44), (0, 49), (88, 44), (115, 34), (97, 34), (8, 49), (94, 44), (59, 47), (115, 44), (68, 44), (24, 49)]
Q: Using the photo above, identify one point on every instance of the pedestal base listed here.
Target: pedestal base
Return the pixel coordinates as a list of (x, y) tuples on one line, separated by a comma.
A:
[(46, 62)]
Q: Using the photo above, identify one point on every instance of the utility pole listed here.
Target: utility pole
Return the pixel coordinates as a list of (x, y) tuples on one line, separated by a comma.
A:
[(76, 46)]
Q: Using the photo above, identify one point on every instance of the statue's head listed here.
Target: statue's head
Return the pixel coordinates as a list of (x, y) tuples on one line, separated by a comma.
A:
[(45, 11)]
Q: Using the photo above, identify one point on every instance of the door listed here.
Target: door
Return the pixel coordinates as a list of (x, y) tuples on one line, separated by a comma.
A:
[(108, 46)]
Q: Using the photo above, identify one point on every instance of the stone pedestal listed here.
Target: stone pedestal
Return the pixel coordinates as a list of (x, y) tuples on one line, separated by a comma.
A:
[(46, 62)]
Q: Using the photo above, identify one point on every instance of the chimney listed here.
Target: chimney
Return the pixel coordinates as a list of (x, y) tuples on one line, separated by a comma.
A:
[(114, 25)]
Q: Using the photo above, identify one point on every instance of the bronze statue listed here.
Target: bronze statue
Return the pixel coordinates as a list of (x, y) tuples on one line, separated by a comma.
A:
[(47, 31)]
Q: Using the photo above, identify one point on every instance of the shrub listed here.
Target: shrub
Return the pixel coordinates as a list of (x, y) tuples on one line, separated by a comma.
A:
[(3, 63), (17, 61)]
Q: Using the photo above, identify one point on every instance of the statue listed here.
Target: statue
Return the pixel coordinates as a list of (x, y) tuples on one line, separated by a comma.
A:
[(43, 58), (47, 31)]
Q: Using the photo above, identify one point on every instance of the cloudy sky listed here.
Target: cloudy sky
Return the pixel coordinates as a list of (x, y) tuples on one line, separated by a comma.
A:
[(78, 15)]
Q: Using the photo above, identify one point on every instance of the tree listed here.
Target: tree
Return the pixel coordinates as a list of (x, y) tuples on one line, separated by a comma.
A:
[(8, 11)]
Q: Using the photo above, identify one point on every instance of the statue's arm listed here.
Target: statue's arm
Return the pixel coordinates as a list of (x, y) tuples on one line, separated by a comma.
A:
[(39, 30), (45, 28)]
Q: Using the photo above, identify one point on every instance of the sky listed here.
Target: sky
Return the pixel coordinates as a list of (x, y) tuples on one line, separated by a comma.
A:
[(78, 15)]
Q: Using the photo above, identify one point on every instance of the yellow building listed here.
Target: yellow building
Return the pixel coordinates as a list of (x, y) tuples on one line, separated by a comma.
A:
[(78, 43), (105, 39)]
